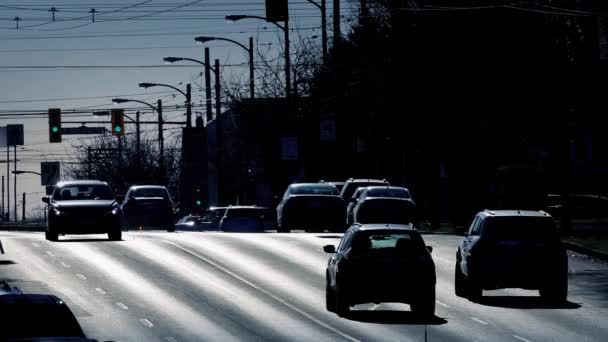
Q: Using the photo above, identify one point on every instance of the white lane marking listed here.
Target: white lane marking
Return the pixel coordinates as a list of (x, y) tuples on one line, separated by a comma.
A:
[(479, 321), (65, 265), (122, 306), (50, 253), (101, 291), (442, 304), (170, 339), (35, 244), (81, 276), (260, 289), (146, 323), (521, 338)]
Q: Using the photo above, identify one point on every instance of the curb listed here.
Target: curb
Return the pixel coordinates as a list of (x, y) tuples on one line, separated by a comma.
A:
[(584, 250)]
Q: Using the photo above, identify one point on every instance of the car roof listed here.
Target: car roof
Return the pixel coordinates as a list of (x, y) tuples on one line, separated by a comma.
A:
[(80, 182), (514, 213), (244, 207), (367, 180), (383, 226), (31, 299), (137, 187), (390, 187), (311, 184)]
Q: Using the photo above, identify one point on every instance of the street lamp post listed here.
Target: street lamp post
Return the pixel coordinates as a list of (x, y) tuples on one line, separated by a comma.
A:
[(249, 50), (187, 94), (323, 8), (285, 29)]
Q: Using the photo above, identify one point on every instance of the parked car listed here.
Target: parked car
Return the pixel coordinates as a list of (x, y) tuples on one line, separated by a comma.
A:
[(351, 185), (312, 207), (148, 206), (82, 207), (377, 263), (37, 317), (246, 219), (512, 248), (350, 206), (385, 204)]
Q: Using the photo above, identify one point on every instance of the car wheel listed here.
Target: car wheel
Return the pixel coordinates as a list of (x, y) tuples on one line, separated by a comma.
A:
[(474, 291), (555, 292), (425, 306), (51, 236), (115, 235), (459, 282), (330, 298), (342, 306), (283, 228)]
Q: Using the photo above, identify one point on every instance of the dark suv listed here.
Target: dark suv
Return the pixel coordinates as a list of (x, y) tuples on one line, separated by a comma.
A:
[(351, 185), (148, 206), (512, 249)]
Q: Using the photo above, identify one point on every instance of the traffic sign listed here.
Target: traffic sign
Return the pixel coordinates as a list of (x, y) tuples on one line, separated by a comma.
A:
[(49, 173), (83, 130), (3, 138), (14, 135)]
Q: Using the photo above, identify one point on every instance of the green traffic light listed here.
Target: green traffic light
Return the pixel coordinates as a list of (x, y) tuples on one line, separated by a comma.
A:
[(118, 129), (55, 129), (199, 202)]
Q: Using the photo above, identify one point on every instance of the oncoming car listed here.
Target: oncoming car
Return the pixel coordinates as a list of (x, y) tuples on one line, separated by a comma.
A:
[(82, 207)]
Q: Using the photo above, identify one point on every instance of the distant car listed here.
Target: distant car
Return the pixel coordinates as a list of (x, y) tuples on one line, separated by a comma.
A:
[(148, 206), (82, 207), (385, 204), (36, 317), (188, 223), (6, 289), (312, 207), (351, 185), (244, 219), (512, 249), (210, 219), (380, 263), (350, 206)]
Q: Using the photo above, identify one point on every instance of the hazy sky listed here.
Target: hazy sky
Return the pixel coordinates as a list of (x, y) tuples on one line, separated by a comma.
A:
[(120, 36)]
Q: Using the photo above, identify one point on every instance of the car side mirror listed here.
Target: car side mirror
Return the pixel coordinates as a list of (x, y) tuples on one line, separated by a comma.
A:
[(429, 248), (46, 199), (120, 198), (330, 249)]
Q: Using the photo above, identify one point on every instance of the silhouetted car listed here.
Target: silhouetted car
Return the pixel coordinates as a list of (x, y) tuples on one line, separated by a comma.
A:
[(350, 206), (148, 206), (82, 207), (338, 185), (312, 207), (512, 249), (36, 317), (210, 219), (188, 223), (245, 219), (6, 289), (351, 185), (385, 204), (379, 263), (582, 207)]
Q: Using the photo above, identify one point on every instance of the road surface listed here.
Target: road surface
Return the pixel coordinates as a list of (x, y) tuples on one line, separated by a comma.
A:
[(195, 286)]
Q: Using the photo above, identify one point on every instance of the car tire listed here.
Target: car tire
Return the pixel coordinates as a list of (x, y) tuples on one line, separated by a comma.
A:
[(171, 228), (474, 291), (283, 228), (330, 298), (51, 236), (115, 235), (459, 282), (425, 306), (555, 292), (342, 305)]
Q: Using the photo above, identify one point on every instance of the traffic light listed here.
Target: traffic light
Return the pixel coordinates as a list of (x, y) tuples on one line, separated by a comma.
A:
[(198, 199), (54, 125), (118, 122)]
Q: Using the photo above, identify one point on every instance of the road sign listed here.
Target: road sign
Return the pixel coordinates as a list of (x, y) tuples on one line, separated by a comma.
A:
[(14, 135), (276, 10), (3, 140), (83, 130), (49, 173)]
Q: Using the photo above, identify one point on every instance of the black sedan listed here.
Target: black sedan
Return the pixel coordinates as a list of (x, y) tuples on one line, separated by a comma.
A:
[(380, 263), (148, 206), (82, 207)]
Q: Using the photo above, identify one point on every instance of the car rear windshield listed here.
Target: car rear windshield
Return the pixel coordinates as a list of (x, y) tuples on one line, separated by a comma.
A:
[(388, 192), (388, 240), (520, 228), (350, 188), (243, 213), (315, 190), (151, 192), (83, 192)]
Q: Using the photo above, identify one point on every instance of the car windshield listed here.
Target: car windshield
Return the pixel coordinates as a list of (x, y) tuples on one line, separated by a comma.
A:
[(83, 192), (315, 190), (388, 192), (520, 228), (150, 192)]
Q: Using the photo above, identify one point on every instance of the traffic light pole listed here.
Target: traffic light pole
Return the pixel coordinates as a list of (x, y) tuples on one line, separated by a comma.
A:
[(8, 184), (161, 140), (15, 179), (218, 131)]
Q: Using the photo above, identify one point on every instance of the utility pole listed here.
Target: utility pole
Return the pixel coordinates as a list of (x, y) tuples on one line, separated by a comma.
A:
[(138, 141), (324, 29), (15, 179), (208, 85), (8, 184), (188, 105), (337, 35), (90, 163), (218, 130), (287, 56), (161, 139), (251, 70), (23, 208), (2, 209)]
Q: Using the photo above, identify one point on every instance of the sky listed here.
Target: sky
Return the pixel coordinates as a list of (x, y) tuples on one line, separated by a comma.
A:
[(132, 33)]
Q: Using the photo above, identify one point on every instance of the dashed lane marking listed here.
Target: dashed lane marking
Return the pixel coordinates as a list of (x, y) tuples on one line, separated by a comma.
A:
[(170, 339), (122, 306), (479, 321), (522, 339), (146, 323), (101, 291), (81, 276), (51, 253), (264, 291)]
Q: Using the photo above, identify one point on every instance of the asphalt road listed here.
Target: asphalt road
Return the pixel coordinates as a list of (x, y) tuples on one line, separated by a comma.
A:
[(156, 286)]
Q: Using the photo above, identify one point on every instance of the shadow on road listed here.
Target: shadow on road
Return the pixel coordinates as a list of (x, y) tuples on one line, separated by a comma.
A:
[(86, 240), (525, 302), (7, 262), (393, 317), (329, 236)]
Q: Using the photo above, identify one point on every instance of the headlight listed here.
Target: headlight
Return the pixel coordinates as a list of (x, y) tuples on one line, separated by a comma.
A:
[(115, 211), (56, 212)]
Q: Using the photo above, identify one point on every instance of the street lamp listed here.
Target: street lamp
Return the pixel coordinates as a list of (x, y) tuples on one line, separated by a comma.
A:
[(161, 140), (19, 172), (233, 18), (187, 94), (202, 40)]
